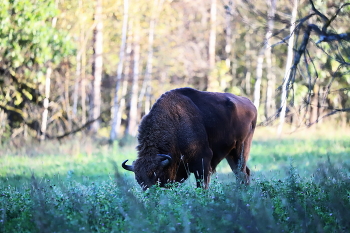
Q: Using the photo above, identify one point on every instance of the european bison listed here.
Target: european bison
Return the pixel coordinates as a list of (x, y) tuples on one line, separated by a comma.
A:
[(190, 131)]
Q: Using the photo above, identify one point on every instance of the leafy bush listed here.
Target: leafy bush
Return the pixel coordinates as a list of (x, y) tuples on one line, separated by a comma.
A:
[(318, 204)]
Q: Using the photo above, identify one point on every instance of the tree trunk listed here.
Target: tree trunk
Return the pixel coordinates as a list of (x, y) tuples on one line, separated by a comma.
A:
[(76, 84), (146, 87), (262, 53), (271, 77), (230, 39), (97, 64), (133, 116), (83, 93), (126, 77), (115, 123), (83, 88), (78, 72), (314, 110), (3, 124), (228, 34), (46, 103), (212, 83), (248, 66), (289, 62), (66, 95), (270, 106), (259, 72)]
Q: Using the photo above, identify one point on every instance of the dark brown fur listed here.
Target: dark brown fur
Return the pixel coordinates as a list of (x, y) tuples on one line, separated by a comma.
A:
[(198, 130)]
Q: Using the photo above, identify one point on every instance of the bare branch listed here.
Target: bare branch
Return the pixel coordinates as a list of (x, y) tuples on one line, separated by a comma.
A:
[(342, 61), (301, 51), (297, 28), (76, 130), (332, 37), (324, 18), (336, 73), (326, 25), (329, 114)]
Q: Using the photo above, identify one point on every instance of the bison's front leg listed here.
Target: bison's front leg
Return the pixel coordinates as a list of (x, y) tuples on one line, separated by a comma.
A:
[(203, 173)]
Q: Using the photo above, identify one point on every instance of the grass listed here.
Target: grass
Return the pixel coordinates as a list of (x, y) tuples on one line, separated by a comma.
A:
[(298, 185)]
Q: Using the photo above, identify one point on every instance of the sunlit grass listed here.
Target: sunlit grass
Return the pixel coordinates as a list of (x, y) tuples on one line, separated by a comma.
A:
[(66, 160), (269, 155)]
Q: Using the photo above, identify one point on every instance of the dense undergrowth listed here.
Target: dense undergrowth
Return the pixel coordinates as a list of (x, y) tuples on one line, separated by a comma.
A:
[(317, 204), (297, 186)]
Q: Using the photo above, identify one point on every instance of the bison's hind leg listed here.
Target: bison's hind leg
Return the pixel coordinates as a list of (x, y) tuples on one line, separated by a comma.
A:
[(242, 172), (237, 159)]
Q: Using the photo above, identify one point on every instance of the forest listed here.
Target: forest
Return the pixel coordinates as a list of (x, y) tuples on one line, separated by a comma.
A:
[(96, 67), (77, 76)]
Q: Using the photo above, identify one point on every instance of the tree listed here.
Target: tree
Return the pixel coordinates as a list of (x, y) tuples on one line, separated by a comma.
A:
[(29, 44), (288, 68), (97, 68), (265, 51), (146, 87), (207, 44), (133, 112), (116, 117), (271, 76), (212, 45), (46, 103), (338, 54)]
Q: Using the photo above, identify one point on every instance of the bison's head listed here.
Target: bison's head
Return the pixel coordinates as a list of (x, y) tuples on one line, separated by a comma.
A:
[(149, 172)]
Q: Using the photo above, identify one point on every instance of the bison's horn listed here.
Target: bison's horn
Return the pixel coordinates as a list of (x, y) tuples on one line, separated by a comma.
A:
[(127, 167), (167, 161)]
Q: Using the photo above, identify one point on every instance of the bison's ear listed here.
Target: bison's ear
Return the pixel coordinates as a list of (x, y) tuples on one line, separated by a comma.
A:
[(167, 161), (127, 167)]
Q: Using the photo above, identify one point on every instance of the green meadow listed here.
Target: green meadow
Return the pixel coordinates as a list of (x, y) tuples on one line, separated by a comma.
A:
[(300, 183)]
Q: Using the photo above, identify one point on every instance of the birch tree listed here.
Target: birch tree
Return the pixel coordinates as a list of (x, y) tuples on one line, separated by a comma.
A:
[(46, 103), (212, 83), (228, 34), (97, 67), (248, 63), (289, 62), (115, 122), (265, 51), (146, 87), (270, 75), (259, 73), (133, 112), (127, 77)]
